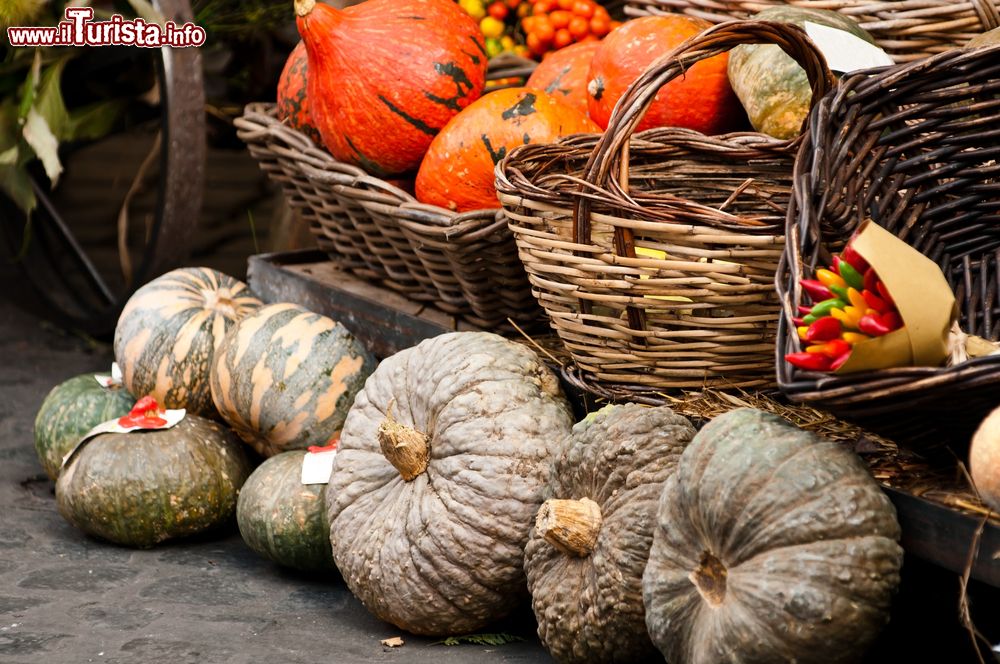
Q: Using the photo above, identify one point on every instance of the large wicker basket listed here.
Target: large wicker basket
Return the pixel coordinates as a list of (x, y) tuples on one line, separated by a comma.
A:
[(915, 147), (654, 255), (907, 29), (465, 264)]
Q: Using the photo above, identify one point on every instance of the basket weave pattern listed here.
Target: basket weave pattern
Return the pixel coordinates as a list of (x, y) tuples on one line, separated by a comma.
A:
[(464, 264), (907, 29), (654, 255), (914, 147)]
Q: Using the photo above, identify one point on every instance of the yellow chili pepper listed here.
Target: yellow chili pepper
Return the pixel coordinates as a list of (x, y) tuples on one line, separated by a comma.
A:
[(802, 331), (829, 278), (857, 299), (854, 337), (816, 348)]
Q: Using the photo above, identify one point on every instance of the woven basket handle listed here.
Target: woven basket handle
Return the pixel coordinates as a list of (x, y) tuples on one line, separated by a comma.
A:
[(612, 148)]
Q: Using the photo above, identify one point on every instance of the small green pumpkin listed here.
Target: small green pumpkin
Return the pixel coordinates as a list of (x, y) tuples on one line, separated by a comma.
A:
[(282, 519), (70, 410), (144, 487), (772, 87)]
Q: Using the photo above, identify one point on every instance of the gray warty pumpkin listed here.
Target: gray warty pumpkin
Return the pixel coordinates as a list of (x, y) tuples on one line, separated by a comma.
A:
[(772, 545), (587, 551), (282, 519), (285, 377), (144, 487), (442, 464), (168, 332)]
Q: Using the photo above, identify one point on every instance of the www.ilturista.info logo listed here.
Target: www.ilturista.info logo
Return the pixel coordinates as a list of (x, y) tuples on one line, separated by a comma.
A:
[(78, 29)]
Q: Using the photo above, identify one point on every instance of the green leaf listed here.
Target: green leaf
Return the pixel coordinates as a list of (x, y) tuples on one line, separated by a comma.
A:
[(93, 121), (14, 182), (39, 136), (147, 12), (49, 102), (479, 639), (30, 87)]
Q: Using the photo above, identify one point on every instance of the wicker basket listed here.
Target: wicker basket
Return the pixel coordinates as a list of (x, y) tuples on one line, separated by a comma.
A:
[(465, 264), (907, 29), (915, 148), (591, 213)]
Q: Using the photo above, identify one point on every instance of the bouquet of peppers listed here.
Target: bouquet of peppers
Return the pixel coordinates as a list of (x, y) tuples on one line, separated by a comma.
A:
[(850, 305)]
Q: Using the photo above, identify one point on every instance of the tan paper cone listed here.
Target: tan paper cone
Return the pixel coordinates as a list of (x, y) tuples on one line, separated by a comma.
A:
[(923, 298)]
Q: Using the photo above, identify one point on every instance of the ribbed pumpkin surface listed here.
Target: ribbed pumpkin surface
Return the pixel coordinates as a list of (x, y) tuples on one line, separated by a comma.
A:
[(386, 75), (70, 410), (285, 377), (589, 607), (772, 545), (563, 74), (168, 332), (282, 519), (457, 172), (144, 487), (293, 102), (701, 99), (442, 553)]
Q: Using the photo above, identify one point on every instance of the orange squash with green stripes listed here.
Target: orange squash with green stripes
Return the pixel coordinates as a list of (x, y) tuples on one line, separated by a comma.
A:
[(284, 378), (168, 332), (386, 75), (293, 102)]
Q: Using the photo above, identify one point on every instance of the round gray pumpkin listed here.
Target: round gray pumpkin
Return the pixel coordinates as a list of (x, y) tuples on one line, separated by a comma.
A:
[(442, 465), (144, 487), (282, 519), (70, 410), (588, 549), (772, 545)]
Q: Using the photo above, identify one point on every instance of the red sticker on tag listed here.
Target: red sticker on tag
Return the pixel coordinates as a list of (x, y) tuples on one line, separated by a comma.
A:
[(145, 413)]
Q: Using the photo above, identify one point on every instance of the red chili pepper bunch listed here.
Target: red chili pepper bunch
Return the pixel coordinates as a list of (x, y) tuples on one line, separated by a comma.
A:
[(850, 305), (145, 413)]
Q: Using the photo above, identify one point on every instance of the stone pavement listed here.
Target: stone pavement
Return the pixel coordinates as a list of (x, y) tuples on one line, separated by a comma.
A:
[(67, 598)]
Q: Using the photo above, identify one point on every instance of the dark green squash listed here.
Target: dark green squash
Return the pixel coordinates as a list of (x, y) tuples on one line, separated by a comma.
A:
[(772, 545), (144, 487), (70, 410), (282, 519), (586, 554), (772, 87)]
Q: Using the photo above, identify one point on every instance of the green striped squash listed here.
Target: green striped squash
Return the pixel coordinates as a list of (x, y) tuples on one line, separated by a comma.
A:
[(282, 519), (284, 378), (70, 410), (169, 330), (143, 487)]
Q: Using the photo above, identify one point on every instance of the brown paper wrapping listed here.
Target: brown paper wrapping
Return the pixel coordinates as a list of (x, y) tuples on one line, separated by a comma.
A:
[(922, 296)]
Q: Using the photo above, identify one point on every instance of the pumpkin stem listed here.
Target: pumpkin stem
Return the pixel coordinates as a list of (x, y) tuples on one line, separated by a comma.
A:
[(221, 301), (710, 579), (303, 7), (571, 526), (405, 448)]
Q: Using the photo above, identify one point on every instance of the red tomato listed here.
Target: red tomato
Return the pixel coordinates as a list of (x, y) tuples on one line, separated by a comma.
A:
[(562, 38), (498, 10), (560, 18), (583, 8), (579, 27), (599, 26)]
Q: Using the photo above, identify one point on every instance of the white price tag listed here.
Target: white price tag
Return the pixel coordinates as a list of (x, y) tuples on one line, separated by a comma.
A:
[(845, 52), (318, 466), (112, 381), (170, 419)]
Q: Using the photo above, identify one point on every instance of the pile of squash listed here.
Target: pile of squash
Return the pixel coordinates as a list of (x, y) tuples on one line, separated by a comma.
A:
[(461, 486)]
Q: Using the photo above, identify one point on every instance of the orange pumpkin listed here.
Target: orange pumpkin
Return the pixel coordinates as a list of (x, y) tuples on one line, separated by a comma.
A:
[(457, 172), (293, 103), (701, 99), (386, 75), (563, 74)]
